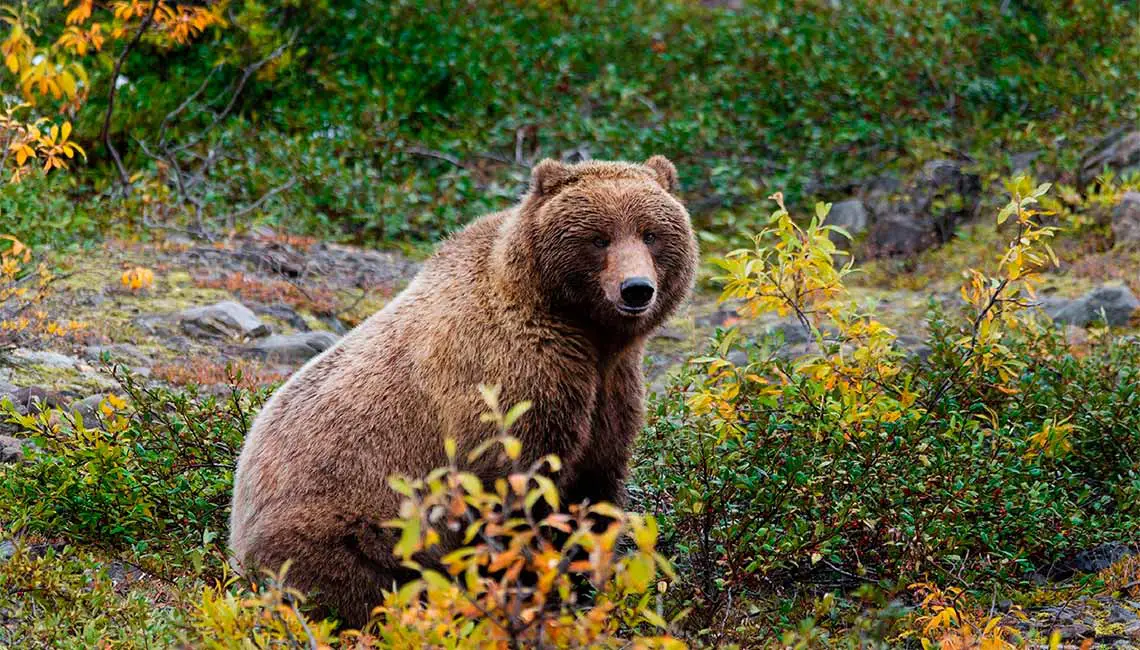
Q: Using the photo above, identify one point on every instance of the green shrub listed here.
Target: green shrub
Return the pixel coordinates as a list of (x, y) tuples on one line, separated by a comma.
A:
[(1005, 449), (68, 599), (157, 472), (400, 122)]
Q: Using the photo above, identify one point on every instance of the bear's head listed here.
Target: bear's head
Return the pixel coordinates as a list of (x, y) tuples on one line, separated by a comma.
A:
[(608, 243)]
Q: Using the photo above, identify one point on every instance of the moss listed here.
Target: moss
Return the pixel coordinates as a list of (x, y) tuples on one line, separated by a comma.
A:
[(84, 381)]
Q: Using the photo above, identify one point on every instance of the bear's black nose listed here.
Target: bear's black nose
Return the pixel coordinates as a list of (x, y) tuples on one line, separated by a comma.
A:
[(637, 292)]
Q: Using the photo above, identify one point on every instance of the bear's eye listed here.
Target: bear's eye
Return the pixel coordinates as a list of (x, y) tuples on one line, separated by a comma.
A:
[(649, 238), (601, 242)]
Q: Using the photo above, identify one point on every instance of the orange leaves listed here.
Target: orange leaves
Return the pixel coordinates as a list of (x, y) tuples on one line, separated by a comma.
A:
[(27, 143), (22, 288), (512, 584), (178, 23), (56, 70), (54, 147), (949, 622), (80, 13), (17, 48), (137, 278), (81, 41)]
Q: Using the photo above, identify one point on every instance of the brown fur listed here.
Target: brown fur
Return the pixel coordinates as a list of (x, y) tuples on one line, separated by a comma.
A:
[(526, 298)]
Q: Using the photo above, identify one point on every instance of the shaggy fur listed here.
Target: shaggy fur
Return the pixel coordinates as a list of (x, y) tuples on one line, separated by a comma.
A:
[(526, 298)]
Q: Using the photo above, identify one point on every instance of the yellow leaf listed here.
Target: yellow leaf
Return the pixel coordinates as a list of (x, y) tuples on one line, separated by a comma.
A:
[(512, 447)]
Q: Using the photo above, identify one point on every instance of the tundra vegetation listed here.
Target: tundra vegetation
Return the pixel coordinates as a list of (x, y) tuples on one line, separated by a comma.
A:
[(901, 410)]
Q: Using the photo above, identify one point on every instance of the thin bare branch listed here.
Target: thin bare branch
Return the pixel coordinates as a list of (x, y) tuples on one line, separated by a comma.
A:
[(232, 217), (105, 135), (248, 72), (432, 153)]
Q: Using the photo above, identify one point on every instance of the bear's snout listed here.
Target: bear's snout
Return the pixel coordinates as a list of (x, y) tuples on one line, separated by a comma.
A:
[(629, 277), (636, 294)]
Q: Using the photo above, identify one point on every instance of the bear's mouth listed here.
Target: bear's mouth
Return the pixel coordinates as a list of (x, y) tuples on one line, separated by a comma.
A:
[(633, 311)]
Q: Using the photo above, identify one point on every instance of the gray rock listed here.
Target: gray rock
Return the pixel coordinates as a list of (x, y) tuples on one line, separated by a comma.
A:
[(1061, 614), (7, 390), (1076, 631), (1097, 558), (224, 320), (723, 313), (1118, 152), (670, 333), (45, 358), (7, 550), (1020, 163), (1126, 220), (1118, 614), (283, 313), (925, 212), (900, 233), (914, 347), (34, 400), (1111, 304), (791, 331), (12, 450), (850, 215), (88, 409), (294, 347), (274, 256), (124, 352), (1133, 630), (738, 357)]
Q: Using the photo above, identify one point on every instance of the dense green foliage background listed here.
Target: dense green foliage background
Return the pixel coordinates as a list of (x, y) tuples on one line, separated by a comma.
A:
[(369, 98)]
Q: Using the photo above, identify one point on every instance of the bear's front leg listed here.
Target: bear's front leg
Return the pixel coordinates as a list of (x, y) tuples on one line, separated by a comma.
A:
[(601, 472)]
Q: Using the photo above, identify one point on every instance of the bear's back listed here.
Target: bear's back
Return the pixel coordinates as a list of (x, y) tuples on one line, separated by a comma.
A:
[(367, 407)]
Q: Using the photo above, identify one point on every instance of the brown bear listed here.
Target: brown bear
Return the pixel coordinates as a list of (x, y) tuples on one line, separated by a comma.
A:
[(552, 299)]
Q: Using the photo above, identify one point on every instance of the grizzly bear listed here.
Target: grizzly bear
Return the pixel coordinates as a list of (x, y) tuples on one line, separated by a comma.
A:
[(553, 300)]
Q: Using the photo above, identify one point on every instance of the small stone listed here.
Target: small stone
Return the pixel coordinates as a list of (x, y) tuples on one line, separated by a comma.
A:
[(284, 313), (46, 358), (670, 333), (1111, 304), (1119, 152), (12, 450), (1075, 631), (117, 352), (1118, 614), (88, 409), (1023, 162), (224, 320), (1133, 630), (294, 347), (34, 400), (1126, 220), (7, 550), (851, 215)]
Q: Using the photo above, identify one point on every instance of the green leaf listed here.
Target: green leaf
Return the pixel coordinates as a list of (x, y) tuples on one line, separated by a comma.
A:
[(515, 413)]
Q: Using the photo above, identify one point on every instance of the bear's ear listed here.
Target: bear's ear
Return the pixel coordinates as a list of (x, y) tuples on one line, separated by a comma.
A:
[(547, 176), (665, 171)]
